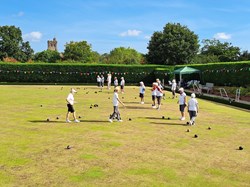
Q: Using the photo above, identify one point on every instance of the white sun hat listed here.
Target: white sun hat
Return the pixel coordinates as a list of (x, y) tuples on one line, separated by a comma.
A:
[(73, 90), (181, 89), (193, 95)]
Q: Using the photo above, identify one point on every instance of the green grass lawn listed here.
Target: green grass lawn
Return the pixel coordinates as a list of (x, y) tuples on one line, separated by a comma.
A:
[(146, 151)]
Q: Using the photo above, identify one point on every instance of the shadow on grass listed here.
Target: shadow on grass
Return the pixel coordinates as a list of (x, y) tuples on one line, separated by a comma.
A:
[(131, 102), (45, 121), (137, 107), (160, 118), (171, 124), (95, 121)]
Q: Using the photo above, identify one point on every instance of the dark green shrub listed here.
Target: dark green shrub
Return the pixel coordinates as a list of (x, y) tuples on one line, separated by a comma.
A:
[(221, 74), (73, 73)]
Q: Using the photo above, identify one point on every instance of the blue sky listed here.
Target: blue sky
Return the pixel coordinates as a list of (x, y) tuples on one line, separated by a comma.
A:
[(107, 24)]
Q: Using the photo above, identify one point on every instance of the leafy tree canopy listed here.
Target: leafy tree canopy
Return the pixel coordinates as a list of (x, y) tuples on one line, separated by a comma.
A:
[(122, 55), (47, 56), (12, 45), (224, 51), (245, 55), (176, 44), (78, 51)]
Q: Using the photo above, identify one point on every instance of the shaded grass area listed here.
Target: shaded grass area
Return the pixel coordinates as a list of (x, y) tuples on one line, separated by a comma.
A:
[(144, 151)]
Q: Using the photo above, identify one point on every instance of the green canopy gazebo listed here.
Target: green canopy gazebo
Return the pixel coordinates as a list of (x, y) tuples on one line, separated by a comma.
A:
[(186, 70)]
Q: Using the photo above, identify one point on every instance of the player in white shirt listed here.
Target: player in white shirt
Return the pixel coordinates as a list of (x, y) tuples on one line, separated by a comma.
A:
[(154, 94), (122, 84), (182, 103), (98, 79), (102, 81), (159, 83), (159, 94), (173, 88), (115, 82), (192, 109), (161, 87), (142, 92), (116, 102), (70, 102), (109, 81)]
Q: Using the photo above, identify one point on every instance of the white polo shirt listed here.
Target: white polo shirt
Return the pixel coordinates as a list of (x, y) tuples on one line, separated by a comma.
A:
[(109, 79), (116, 82), (70, 99), (115, 99), (192, 104), (173, 86), (142, 89), (154, 92), (182, 98), (102, 79), (159, 92), (122, 83)]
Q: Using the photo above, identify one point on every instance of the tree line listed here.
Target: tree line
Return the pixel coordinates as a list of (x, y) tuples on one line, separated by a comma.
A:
[(176, 44)]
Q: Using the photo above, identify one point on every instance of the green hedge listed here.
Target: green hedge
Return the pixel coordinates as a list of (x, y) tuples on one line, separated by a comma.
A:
[(225, 74), (229, 74), (73, 73), (221, 74), (165, 73)]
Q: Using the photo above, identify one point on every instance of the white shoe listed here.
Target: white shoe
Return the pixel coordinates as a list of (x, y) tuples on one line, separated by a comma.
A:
[(120, 120), (68, 121), (154, 107), (110, 120), (76, 121), (142, 102), (182, 119)]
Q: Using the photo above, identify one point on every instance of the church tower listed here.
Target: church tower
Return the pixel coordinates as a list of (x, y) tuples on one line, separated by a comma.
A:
[(52, 44)]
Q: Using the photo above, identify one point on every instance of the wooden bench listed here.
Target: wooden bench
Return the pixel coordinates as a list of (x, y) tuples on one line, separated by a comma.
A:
[(209, 87)]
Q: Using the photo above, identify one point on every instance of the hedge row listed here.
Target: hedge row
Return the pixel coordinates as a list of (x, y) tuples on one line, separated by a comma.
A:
[(221, 74), (229, 74), (74, 73), (226, 74)]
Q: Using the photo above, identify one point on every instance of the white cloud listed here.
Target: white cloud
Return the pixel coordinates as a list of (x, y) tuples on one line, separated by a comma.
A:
[(147, 37), (19, 14), (33, 36), (131, 33), (222, 35)]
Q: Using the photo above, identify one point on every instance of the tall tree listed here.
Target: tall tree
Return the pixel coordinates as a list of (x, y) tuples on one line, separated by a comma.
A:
[(78, 51), (224, 51), (244, 56), (95, 57), (104, 58), (175, 45), (47, 56), (154, 55), (204, 59), (26, 52), (122, 55), (12, 45)]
